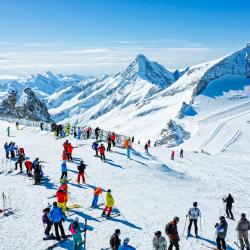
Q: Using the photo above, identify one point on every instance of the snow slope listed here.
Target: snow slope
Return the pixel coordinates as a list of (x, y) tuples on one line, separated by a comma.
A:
[(149, 190)]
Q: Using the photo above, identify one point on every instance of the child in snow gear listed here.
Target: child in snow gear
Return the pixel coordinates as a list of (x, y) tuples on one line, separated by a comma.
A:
[(115, 241), (75, 230), (102, 152), (229, 204), (110, 202), (172, 233), (20, 162), (69, 151), (64, 169), (159, 242), (97, 192), (172, 155), (242, 228), (47, 222), (221, 231), (125, 245), (113, 138), (57, 217), (193, 214), (95, 146), (81, 168), (181, 153), (62, 198)]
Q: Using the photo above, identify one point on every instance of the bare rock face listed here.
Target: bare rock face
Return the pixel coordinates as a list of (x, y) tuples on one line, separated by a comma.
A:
[(27, 106), (172, 135)]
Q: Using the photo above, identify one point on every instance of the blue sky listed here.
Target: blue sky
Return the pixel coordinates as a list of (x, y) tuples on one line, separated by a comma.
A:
[(95, 36)]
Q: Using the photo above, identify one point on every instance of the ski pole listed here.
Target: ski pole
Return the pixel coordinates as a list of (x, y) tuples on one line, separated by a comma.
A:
[(184, 226), (85, 234)]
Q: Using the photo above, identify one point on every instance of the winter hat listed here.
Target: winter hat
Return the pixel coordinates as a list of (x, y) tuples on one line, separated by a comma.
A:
[(176, 218), (117, 231), (126, 240), (109, 191), (158, 233), (222, 218), (195, 204), (243, 215), (55, 204)]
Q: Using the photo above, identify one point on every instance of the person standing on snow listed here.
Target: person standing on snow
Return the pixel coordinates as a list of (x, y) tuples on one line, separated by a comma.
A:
[(75, 230), (159, 242), (221, 231), (172, 155), (20, 162), (41, 126), (64, 169), (95, 146), (115, 241), (79, 133), (229, 204), (181, 153), (102, 152), (46, 221), (129, 148), (125, 245), (110, 202), (193, 214), (97, 192), (61, 195), (81, 168), (149, 142), (146, 147), (8, 131), (242, 228), (113, 138), (97, 132), (6, 148), (57, 217), (69, 151), (109, 143), (172, 233)]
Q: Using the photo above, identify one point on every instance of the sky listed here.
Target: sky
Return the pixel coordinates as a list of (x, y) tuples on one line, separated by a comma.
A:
[(103, 36)]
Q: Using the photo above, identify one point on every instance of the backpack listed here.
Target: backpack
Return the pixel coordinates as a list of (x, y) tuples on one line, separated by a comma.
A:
[(169, 229), (72, 229)]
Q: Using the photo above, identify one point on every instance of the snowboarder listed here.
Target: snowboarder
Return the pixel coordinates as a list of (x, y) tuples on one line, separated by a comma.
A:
[(97, 192), (57, 217), (81, 168), (6, 148), (146, 147), (193, 214), (95, 146), (75, 230), (125, 245), (172, 232), (159, 242), (242, 228), (115, 241), (181, 153), (109, 203), (20, 162), (221, 231), (8, 131), (69, 151), (61, 195), (47, 222), (102, 152), (113, 138), (109, 143), (64, 169), (229, 204), (172, 155)]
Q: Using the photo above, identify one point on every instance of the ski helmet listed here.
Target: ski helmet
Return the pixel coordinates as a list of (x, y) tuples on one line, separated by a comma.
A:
[(126, 240), (117, 231), (243, 215), (195, 204), (222, 218)]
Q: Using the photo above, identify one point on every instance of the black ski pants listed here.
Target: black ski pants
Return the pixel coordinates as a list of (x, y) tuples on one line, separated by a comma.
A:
[(174, 243), (195, 226), (64, 174), (70, 157), (103, 157), (109, 146), (229, 212), (48, 228), (221, 244), (56, 225)]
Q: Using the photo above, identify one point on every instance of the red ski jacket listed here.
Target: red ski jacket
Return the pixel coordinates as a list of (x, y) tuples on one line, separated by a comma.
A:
[(102, 149)]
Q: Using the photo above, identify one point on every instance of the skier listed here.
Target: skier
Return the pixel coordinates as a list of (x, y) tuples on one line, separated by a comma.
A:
[(69, 151), (6, 148), (61, 198), (109, 143), (113, 138), (125, 245), (159, 242), (172, 232), (57, 217), (115, 241), (37, 173), (193, 214), (133, 139), (41, 126), (8, 131), (109, 203), (79, 133), (21, 152), (12, 150), (149, 142), (89, 130), (146, 147), (28, 165), (229, 204), (75, 230), (81, 168), (20, 162), (102, 152), (64, 169), (97, 132), (95, 146), (46, 221), (97, 192), (242, 228), (172, 155), (221, 231), (181, 153)]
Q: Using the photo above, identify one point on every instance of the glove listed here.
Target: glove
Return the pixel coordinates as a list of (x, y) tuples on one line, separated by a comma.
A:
[(63, 219)]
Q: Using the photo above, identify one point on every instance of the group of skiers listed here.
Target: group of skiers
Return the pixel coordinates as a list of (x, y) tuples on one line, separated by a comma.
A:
[(116, 243)]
